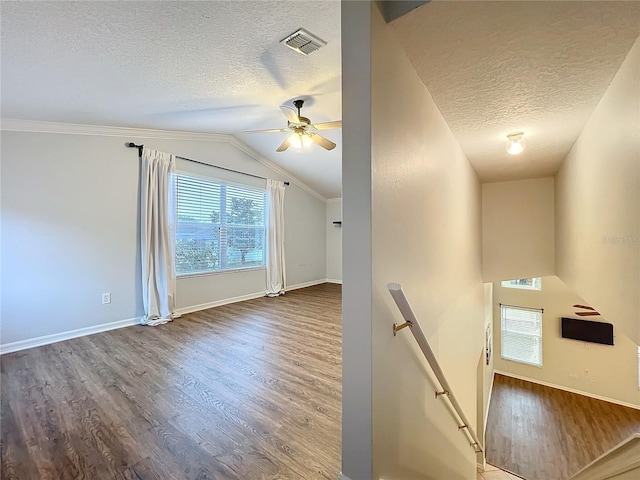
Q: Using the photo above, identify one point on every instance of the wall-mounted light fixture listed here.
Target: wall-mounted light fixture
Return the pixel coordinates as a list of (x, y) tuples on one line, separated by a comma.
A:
[(515, 143)]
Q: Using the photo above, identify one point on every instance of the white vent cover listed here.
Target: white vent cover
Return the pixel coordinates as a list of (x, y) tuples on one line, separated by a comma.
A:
[(303, 42)]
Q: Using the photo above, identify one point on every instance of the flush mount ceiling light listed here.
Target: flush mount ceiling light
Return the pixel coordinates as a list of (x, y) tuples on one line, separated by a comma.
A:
[(515, 143)]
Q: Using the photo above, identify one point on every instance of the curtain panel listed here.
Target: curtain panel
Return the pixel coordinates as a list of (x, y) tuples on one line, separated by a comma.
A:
[(275, 239), (157, 236)]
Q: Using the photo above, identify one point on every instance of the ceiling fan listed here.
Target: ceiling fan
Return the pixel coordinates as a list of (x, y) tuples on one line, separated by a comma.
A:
[(303, 132)]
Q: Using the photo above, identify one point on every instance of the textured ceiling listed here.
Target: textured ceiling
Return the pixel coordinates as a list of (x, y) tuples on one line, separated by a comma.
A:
[(492, 67), (213, 67), (495, 68)]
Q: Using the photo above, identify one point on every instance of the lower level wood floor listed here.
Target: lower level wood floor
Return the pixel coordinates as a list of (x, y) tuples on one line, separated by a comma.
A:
[(250, 390), (542, 433)]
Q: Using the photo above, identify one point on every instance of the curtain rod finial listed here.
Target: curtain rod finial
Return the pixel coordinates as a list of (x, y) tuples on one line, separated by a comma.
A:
[(133, 145)]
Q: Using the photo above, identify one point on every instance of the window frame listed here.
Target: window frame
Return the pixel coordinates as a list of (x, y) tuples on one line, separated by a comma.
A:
[(222, 184), (537, 284), (538, 338)]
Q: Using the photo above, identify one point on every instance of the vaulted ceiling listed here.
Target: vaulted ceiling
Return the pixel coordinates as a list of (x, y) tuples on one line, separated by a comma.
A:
[(538, 67), (493, 68), (215, 67)]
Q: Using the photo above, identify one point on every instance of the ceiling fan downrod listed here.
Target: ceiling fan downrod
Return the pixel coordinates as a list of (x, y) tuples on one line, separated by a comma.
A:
[(298, 104)]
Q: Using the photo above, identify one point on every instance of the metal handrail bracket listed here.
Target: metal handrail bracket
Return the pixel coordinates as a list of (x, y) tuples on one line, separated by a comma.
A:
[(411, 321)]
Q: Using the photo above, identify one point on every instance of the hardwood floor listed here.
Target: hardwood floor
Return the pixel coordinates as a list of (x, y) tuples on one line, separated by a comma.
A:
[(250, 390), (543, 433)]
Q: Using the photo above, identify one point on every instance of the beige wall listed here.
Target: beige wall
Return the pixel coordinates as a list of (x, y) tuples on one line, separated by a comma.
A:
[(602, 370), (518, 229), (334, 240), (426, 235), (598, 204)]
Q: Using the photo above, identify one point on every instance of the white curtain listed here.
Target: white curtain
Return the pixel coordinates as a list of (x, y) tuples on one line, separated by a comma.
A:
[(157, 236), (275, 239)]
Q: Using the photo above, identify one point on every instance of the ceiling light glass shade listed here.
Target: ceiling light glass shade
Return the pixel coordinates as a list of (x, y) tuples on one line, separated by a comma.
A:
[(299, 140), (515, 143)]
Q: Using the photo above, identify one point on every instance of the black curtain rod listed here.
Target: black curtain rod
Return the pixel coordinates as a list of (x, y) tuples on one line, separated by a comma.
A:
[(521, 308), (139, 147)]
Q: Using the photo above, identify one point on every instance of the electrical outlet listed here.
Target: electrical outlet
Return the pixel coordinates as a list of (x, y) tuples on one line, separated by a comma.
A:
[(106, 298)]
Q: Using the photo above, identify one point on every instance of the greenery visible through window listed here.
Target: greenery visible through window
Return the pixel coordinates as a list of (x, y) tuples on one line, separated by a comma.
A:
[(521, 335), (219, 227), (524, 283)]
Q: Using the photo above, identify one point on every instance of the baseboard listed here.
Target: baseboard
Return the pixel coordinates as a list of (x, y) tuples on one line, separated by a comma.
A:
[(333, 280), (218, 303), (306, 284), (59, 337), (342, 476), (568, 389), (242, 298)]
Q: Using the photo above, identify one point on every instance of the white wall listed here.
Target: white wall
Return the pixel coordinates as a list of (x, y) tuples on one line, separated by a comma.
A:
[(518, 229), (334, 240), (357, 456), (426, 235), (70, 231), (612, 370), (598, 204)]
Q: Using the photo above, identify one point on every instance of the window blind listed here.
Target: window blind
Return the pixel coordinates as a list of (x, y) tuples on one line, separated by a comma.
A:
[(521, 335), (218, 226)]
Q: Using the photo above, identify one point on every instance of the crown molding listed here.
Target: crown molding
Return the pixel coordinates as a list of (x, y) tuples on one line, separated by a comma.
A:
[(272, 166), (334, 200), (33, 126)]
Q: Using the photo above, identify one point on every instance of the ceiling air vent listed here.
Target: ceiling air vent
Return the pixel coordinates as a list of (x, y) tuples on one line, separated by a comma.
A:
[(303, 42)]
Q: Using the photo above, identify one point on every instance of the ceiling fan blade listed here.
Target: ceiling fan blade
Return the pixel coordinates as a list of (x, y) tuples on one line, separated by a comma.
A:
[(323, 142), (271, 130), (328, 125), (283, 146), (586, 314), (290, 113)]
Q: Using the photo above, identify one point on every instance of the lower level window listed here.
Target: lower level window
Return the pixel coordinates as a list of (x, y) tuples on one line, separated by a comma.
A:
[(219, 227), (521, 335)]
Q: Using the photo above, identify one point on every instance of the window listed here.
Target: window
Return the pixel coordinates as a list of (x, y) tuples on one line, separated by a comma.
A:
[(219, 227), (522, 335), (524, 283)]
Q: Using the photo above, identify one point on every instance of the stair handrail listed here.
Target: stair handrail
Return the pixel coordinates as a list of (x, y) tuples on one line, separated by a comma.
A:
[(395, 289)]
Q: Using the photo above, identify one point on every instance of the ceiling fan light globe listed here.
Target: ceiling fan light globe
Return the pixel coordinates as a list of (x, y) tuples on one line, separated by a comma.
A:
[(295, 140), (306, 140)]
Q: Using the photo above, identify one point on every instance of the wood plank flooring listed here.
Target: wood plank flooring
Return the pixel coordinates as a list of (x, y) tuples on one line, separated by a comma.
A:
[(542, 433), (250, 390)]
